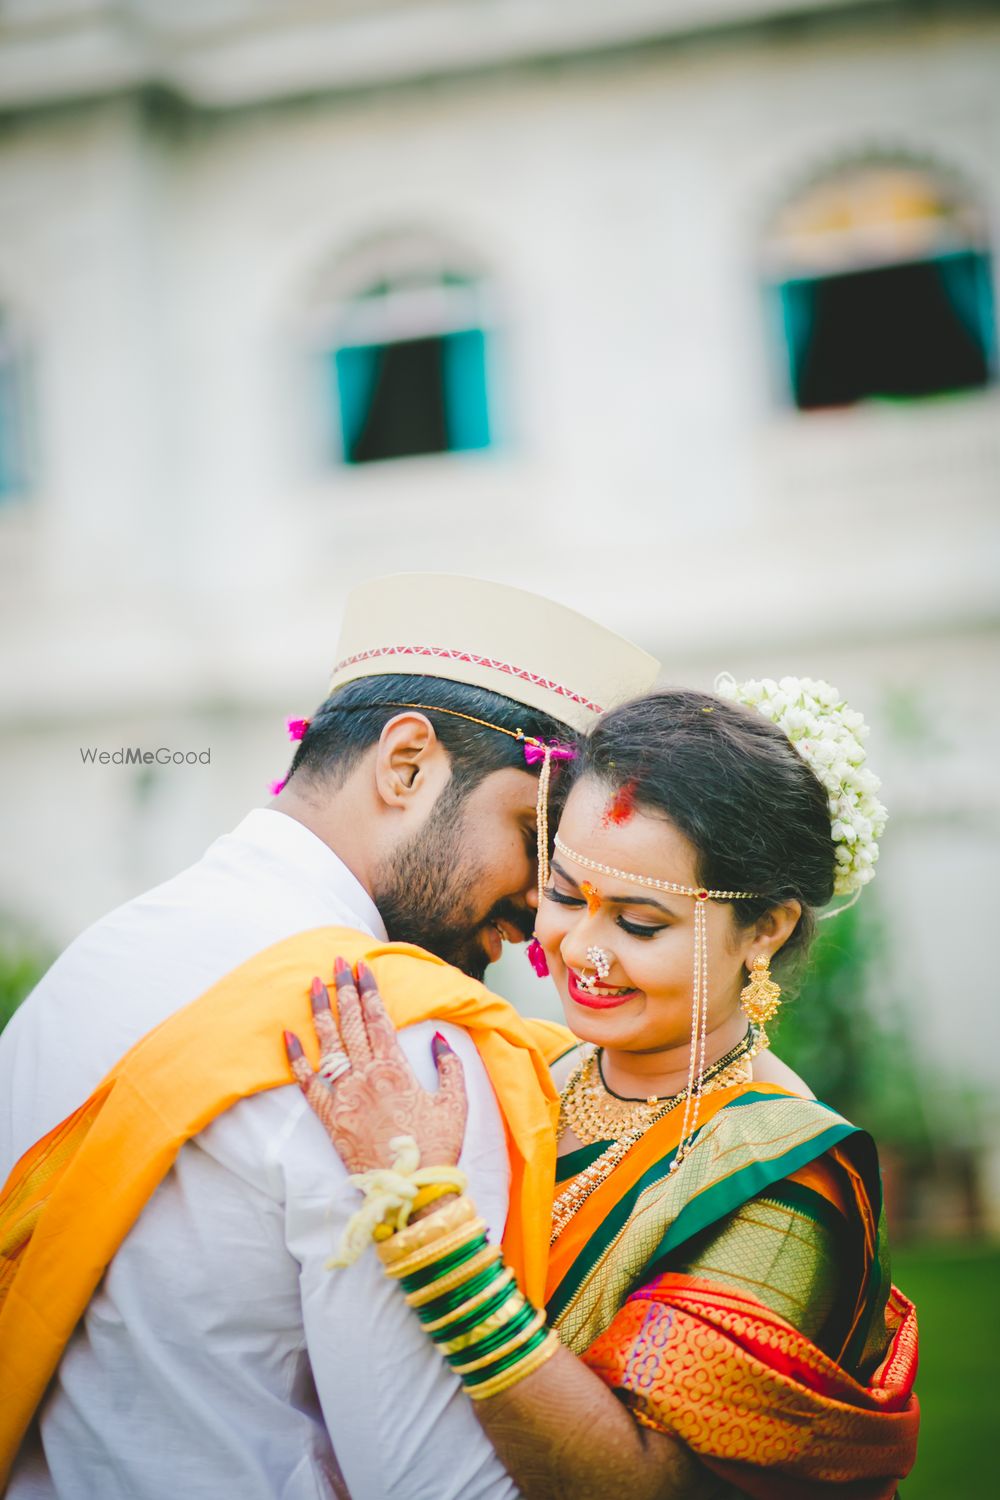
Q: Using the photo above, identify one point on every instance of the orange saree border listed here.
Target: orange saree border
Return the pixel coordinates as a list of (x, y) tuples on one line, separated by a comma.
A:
[(72, 1198), (761, 1405)]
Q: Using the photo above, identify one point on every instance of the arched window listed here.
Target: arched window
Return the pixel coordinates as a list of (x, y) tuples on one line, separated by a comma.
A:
[(13, 413), (405, 348), (881, 272)]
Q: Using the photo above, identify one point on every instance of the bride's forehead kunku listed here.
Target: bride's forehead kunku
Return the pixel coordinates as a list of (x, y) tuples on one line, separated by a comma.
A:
[(643, 844)]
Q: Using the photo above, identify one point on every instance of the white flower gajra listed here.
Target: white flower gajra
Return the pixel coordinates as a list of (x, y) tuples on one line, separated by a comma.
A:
[(829, 737)]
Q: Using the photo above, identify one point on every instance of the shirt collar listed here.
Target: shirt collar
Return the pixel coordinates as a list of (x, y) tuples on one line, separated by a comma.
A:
[(284, 837)]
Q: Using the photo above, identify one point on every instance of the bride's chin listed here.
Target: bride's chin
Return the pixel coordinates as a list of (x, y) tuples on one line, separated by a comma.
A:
[(591, 1026)]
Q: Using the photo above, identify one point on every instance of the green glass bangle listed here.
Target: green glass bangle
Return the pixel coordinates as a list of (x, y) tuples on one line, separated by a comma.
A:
[(496, 1339), (447, 1303), (476, 1316), (507, 1361), (438, 1268)]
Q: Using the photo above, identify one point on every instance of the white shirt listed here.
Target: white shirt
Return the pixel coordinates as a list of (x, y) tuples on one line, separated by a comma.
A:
[(218, 1357)]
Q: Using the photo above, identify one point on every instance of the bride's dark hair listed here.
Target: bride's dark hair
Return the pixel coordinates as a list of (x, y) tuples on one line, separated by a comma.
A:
[(731, 782)]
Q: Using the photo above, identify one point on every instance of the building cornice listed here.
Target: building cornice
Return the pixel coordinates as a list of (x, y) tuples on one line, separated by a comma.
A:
[(226, 54)]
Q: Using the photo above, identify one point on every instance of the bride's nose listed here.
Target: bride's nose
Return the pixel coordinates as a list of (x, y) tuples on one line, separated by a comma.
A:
[(584, 934)]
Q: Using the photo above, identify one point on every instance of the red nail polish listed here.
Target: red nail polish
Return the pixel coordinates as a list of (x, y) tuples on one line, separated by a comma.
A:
[(341, 967), (293, 1046), (318, 988), (439, 1044)]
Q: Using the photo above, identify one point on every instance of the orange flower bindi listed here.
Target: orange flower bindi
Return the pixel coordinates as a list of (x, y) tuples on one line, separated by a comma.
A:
[(592, 896)]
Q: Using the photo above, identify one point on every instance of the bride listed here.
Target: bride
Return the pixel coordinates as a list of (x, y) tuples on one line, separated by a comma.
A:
[(719, 1318)]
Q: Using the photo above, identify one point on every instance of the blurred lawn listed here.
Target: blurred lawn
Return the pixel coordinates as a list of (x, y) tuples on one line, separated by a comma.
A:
[(956, 1289)]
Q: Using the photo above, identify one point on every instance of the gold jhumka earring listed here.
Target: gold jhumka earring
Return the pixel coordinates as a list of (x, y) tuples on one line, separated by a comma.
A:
[(761, 998)]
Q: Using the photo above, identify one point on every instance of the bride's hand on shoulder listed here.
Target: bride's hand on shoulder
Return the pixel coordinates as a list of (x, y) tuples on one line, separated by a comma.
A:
[(364, 1092)]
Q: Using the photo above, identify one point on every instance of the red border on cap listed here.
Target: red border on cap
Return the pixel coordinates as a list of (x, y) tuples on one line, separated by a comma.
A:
[(447, 654)]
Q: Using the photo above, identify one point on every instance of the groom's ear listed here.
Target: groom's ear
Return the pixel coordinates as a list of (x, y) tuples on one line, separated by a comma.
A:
[(412, 766)]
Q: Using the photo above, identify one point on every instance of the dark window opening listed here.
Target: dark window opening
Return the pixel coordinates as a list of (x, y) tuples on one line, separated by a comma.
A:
[(923, 328), (414, 396)]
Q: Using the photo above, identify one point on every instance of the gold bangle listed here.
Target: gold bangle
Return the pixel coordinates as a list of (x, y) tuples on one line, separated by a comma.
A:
[(472, 1304), (521, 1337), (422, 1260), (504, 1313), (528, 1366), (426, 1231), (456, 1278)]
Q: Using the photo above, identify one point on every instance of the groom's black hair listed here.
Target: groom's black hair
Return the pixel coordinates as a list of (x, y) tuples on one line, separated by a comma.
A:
[(353, 717)]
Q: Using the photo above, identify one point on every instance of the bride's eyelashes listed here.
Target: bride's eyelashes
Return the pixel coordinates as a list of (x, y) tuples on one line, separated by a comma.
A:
[(639, 929), (561, 898), (634, 929)]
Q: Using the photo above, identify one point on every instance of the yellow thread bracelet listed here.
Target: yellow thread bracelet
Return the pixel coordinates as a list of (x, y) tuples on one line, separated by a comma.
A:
[(430, 1194), (389, 1195)]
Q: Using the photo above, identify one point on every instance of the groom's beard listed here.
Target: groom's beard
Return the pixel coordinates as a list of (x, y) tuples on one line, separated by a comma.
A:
[(426, 893)]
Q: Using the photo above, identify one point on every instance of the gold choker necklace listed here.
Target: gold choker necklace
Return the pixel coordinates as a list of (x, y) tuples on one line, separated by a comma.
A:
[(594, 1113)]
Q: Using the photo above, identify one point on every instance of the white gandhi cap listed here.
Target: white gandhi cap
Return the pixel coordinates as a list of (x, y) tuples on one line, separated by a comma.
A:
[(492, 636)]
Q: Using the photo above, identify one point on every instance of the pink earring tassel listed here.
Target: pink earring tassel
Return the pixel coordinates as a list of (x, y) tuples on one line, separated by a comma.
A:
[(536, 958), (277, 787), (296, 728)]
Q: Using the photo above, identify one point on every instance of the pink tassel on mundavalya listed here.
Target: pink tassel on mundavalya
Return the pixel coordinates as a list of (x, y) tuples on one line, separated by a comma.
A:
[(296, 728), (277, 787), (535, 753), (537, 960)]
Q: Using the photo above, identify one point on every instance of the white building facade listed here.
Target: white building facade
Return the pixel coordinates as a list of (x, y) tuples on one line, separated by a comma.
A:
[(692, 303)]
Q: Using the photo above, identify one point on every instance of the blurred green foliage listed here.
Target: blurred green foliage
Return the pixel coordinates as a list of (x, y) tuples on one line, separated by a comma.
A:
[(23, 961), (844, 1030), (851, 1034)]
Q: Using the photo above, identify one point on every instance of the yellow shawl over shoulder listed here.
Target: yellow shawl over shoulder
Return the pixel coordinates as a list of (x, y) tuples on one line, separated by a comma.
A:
[(71, 1199)]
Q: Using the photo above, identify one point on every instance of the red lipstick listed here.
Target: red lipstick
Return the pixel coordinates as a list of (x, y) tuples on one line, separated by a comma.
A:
[(595, 999)]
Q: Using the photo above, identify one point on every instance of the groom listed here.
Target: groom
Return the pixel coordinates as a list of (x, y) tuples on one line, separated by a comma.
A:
[(217, 1355)]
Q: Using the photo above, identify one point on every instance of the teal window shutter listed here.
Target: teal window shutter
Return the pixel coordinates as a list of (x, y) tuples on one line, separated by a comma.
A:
[(798, 312), (466, 404)]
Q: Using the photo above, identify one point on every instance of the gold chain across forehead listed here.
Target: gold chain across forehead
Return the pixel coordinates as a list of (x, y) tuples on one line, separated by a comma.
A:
[(699, 892)]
